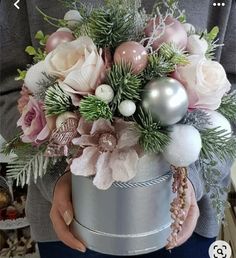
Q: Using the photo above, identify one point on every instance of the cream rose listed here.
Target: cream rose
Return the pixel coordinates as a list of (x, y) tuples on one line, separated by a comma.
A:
[(205, 81), (77, 64)]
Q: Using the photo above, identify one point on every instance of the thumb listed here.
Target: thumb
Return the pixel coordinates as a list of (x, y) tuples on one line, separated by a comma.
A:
[(66, 212)]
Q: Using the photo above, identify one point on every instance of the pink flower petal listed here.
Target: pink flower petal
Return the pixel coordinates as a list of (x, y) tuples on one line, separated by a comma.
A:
[(84, 127), (85, 165), (86, 140), (43, 135), (103, 179), (124, 164), (102, 126)]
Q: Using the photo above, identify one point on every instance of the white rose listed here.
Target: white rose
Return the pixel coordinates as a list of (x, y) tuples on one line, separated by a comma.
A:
[(197, 45), (205, 81), (78, 65)]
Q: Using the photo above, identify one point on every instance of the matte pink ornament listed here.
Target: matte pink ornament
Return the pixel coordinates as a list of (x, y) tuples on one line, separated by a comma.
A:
[(174, 33), (57, 38), (133, 53)]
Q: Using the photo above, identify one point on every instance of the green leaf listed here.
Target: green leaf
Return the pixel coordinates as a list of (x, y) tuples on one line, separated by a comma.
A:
[(213, 33), (21, 75), (30, 50), (39, 35)]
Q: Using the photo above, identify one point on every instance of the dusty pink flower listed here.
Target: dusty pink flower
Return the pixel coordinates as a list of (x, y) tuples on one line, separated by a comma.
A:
[(109, 151), (205, 81), (33, 122), (24, 99)]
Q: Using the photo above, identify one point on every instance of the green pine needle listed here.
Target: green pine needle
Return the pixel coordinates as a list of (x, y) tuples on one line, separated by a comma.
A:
[(228, 106), (125, 84), (154, 138), (217, 143), (92, 108), (108, 27), (164, 62), (57, 101), (173, 54)]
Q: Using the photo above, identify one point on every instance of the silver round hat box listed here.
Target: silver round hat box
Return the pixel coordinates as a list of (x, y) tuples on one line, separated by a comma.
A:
[(129, 218)]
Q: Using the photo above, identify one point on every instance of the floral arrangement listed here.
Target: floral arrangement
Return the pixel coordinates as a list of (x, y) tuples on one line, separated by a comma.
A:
[(113, 83)]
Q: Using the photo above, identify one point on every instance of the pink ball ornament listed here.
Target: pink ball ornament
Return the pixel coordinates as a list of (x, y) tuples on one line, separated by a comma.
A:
[(57, 38), (133, 53), (174, 33)]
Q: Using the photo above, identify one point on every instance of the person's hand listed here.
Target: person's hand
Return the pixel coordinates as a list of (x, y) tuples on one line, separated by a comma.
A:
[(192, 215), (61, 213)]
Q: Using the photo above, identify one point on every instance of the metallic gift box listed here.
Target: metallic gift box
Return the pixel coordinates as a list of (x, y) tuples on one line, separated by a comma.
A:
[(129, 218)]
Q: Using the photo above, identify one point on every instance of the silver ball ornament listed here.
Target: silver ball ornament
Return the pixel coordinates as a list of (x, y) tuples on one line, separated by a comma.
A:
[(166, 100)]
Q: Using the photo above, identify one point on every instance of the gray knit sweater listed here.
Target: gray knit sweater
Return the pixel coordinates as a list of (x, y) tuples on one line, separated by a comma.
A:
[(18, 28)]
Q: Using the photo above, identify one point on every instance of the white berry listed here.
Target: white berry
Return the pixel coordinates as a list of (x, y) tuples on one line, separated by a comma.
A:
[(63, 117), (105, 93), (127, 108), (73, 17), (197, 45)]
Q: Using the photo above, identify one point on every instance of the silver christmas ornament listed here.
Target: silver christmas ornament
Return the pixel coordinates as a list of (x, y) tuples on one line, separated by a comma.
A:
[(166, 99)]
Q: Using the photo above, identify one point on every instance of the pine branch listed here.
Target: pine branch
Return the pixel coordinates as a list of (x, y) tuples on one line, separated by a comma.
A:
[(20, 169), (197, 118), (217, 143), (228, 106), (57, 101), (125, 84), (43, 85), (154, 138), (164, 62), (108, 26), (92, 108)]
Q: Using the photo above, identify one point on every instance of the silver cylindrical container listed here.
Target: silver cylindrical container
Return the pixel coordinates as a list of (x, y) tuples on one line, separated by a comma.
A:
[(129, 218)]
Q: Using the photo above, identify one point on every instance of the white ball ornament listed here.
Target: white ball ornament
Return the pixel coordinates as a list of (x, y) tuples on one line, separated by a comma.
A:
[(65, 29), (63, 117), (34, 75), (184, 147), (189, 28), (127, 108), (105, 93), (218, 120), (72, 17), (197, 45)]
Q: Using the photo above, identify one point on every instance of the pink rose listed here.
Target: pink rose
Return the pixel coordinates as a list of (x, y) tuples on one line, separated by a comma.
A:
[(33, 122), (205, 81)]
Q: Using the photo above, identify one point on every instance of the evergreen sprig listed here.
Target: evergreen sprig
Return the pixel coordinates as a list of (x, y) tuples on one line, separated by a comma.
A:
[(228, 106), (164, 62), (197, 118), (211, 38), (153, 137), (92, 108), (217, 143), (45, 83), (57, 101), (108, 27), (125, 84)]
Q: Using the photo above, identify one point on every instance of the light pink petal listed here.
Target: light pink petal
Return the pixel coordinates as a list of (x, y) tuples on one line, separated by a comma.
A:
[(124, 164), (86, 140), (103, 179), (102, 126), (128, 138), (85, 165), (44, 134), (84, 127), (98, 72)]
